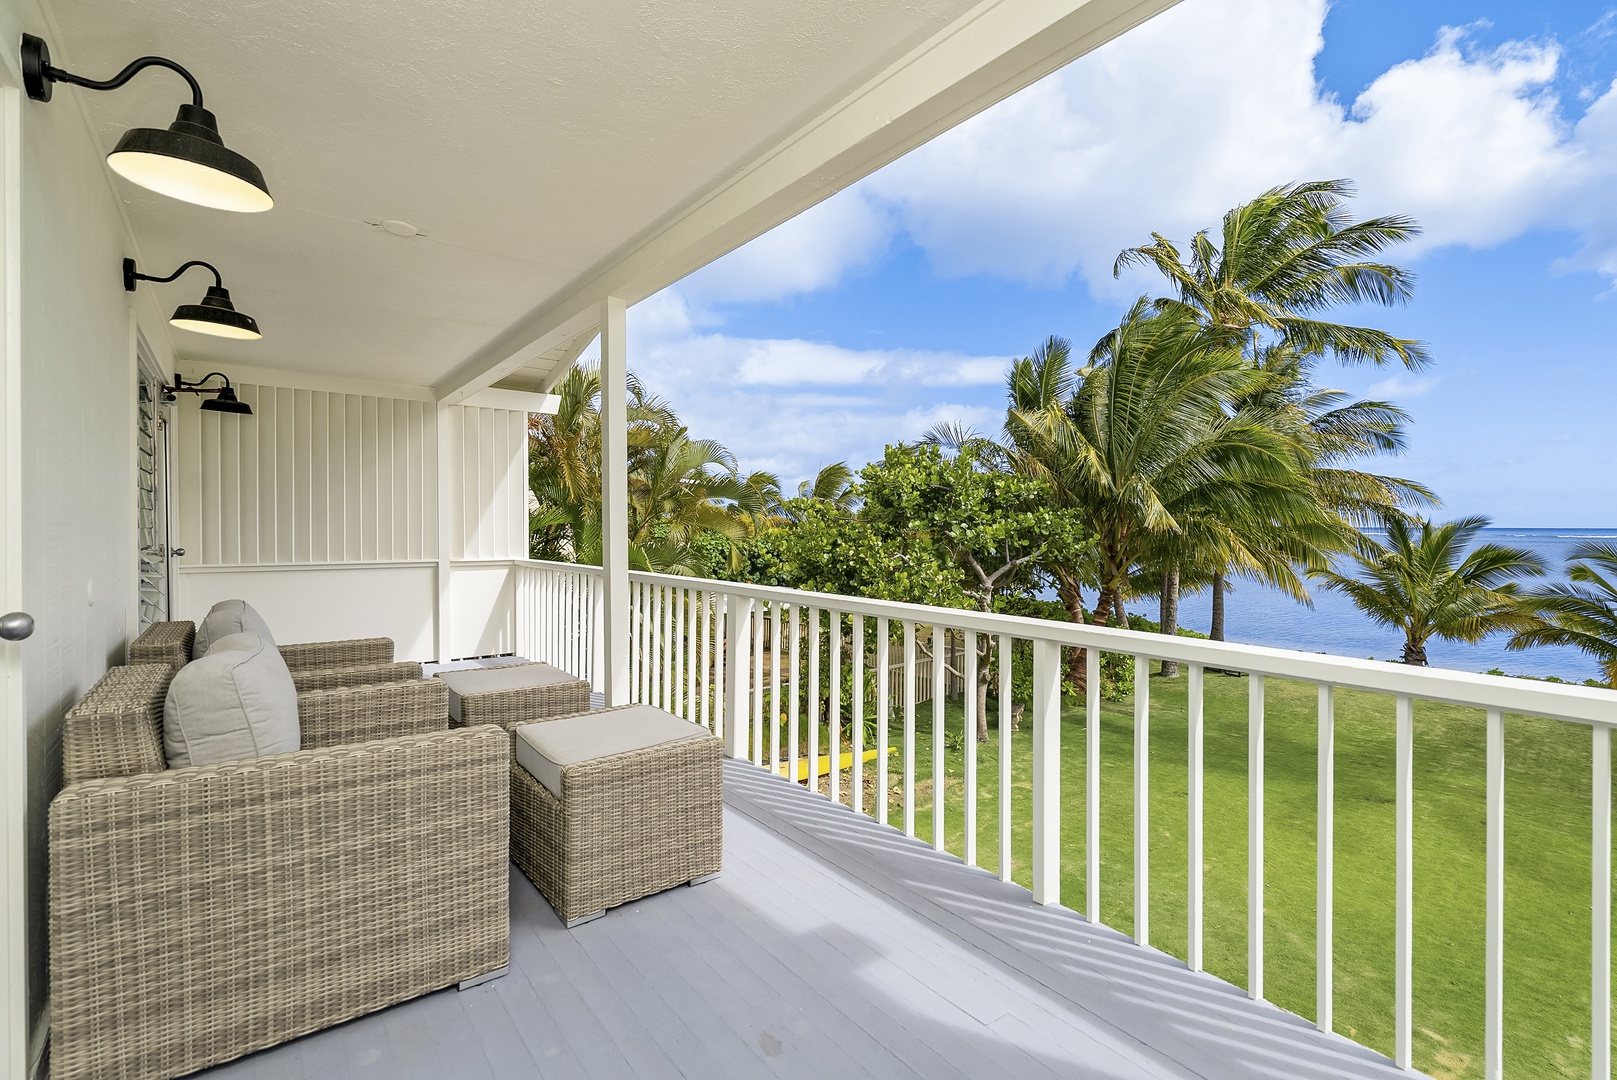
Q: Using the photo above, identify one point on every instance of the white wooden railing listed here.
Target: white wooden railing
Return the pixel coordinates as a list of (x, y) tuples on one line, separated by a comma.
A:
[(697, 649)]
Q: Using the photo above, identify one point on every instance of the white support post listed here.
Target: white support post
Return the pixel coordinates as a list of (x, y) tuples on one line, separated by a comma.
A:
[(1254, 838), (1404, 887), (775, 657), (1600, 909), (812, 640), (856, 730), (833, 705), (1142, 800), (757, 691), (1325, 870), (737, 642), (794, 734), (1092, 784), (615, 497), (1493, 1009), (1006, 711), (909, 728), (1046, 772), (1194, 838)]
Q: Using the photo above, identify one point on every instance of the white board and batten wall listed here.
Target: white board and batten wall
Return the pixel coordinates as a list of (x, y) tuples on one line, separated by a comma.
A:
[(343, 514)]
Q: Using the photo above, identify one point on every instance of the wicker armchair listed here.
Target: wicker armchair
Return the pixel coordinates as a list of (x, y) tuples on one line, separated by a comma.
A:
[(200, 914), (315, 665)]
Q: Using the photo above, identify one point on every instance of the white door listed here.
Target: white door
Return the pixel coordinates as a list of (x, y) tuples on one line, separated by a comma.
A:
[(13, 722)]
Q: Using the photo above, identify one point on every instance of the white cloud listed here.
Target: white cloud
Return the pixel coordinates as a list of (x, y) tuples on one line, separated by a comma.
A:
[(1195, 111), (1400, 386)]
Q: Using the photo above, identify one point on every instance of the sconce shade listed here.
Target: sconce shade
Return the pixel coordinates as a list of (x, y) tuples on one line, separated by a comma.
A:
[(188, 161), (216, 315), (227, 402)]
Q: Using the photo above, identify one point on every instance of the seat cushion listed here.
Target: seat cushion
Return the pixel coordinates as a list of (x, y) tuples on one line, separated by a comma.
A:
[(548, 747), (469, 681), (225, 618), (236, 702)]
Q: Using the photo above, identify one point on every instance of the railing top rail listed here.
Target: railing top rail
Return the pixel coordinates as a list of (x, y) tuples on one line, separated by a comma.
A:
[(1556, 701)]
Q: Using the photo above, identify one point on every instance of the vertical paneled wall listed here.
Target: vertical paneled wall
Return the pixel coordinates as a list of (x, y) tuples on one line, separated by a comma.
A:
[(323, 477)]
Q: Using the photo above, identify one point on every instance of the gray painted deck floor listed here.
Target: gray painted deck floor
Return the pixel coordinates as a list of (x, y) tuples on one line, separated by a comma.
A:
[(830, 947)]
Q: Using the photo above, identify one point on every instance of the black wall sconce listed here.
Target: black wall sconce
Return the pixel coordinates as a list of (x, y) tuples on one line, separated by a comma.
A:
[(224, 399), (187, 161), (215, 315)]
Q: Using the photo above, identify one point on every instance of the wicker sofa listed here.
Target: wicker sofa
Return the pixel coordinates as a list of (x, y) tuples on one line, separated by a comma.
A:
[(199, 914), (315, 665)]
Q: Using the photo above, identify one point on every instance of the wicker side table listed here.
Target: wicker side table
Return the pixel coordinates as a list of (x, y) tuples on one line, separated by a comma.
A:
[(626, 802), (513, 695)]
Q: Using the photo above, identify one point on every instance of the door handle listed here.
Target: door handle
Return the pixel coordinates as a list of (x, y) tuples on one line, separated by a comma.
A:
[(178, 553), (16, 625)]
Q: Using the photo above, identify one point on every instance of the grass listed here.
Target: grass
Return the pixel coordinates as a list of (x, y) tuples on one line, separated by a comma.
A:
[(1547, 853)]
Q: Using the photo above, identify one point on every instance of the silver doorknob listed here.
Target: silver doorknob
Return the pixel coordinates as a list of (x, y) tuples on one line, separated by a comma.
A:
[(178, 553), (16, 625)]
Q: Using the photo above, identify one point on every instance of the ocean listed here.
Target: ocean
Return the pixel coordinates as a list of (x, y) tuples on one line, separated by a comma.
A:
[(1257, 615)]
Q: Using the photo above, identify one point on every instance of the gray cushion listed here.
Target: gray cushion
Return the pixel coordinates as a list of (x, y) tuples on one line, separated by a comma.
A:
[(236, 702), (225, 618), (469, 681), (548, 747)]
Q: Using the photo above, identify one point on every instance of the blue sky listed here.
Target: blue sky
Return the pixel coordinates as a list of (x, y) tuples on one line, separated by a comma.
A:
[(899, 302)]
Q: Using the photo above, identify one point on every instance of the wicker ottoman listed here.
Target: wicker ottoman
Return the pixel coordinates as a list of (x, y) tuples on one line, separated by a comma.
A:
[(513, 694), (614, 805)]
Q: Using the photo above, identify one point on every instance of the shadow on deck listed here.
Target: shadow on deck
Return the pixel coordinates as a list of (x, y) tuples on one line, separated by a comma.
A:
[(831, 947)]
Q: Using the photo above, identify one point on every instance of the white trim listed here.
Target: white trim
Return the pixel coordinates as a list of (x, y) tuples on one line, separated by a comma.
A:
[(994, 50), (14, 929)]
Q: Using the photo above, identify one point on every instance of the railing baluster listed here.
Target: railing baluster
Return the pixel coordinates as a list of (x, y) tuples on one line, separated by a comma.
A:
[(667, 604), (1403, 930), (774, 686), (794, 707), (1493, 1009), (833, 702), (813, 718), (737, 640), (1325, 876), (1092, 689), (1600, 909), (721, 660), (856, 733), (758, 685), (1005, 712), (679, 650), (1142, 800), (940, 667), (1193, 844), (968, 656), (701, 665), (884, 656), (909, 728), (1254, 838), (644, 653), (1046, 772)]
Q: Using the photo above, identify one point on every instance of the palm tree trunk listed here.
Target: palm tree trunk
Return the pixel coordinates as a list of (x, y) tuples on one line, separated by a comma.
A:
[(1169, 612), (1067, 588), (1415, 652), (1216, 632)]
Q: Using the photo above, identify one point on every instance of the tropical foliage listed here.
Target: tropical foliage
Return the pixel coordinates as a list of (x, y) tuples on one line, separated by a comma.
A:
[(1581, 613), (1437, 581)]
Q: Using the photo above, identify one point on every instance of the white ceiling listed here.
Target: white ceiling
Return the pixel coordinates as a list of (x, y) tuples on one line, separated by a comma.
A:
[(533, 144)]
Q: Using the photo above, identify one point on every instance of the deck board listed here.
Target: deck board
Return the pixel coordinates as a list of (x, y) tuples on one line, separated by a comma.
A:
[(831, 946)]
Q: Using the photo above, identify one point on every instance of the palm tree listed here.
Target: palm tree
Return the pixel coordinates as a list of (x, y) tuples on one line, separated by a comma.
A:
[(1283, 259), (1581, 613), (1424, 582), (1142, 442)]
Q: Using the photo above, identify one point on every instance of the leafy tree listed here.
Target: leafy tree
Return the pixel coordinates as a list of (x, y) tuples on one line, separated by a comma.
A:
[(997, 527), (1581, 613), (1424, 582)]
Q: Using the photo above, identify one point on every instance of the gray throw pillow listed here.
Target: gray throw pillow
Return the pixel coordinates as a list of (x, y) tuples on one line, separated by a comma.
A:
[(225, 618), (236, 702)]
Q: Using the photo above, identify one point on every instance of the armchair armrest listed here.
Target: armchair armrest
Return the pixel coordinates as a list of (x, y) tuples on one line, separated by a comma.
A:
[(199, 914), (116, 729), (364, 675), (337, 654), (354, 714), (164, 643)]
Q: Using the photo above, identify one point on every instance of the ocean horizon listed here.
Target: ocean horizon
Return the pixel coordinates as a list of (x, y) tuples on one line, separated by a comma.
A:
[(1258, 615)]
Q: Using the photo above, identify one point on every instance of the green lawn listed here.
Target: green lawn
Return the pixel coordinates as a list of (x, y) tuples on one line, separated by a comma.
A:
[(1547, 827)]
